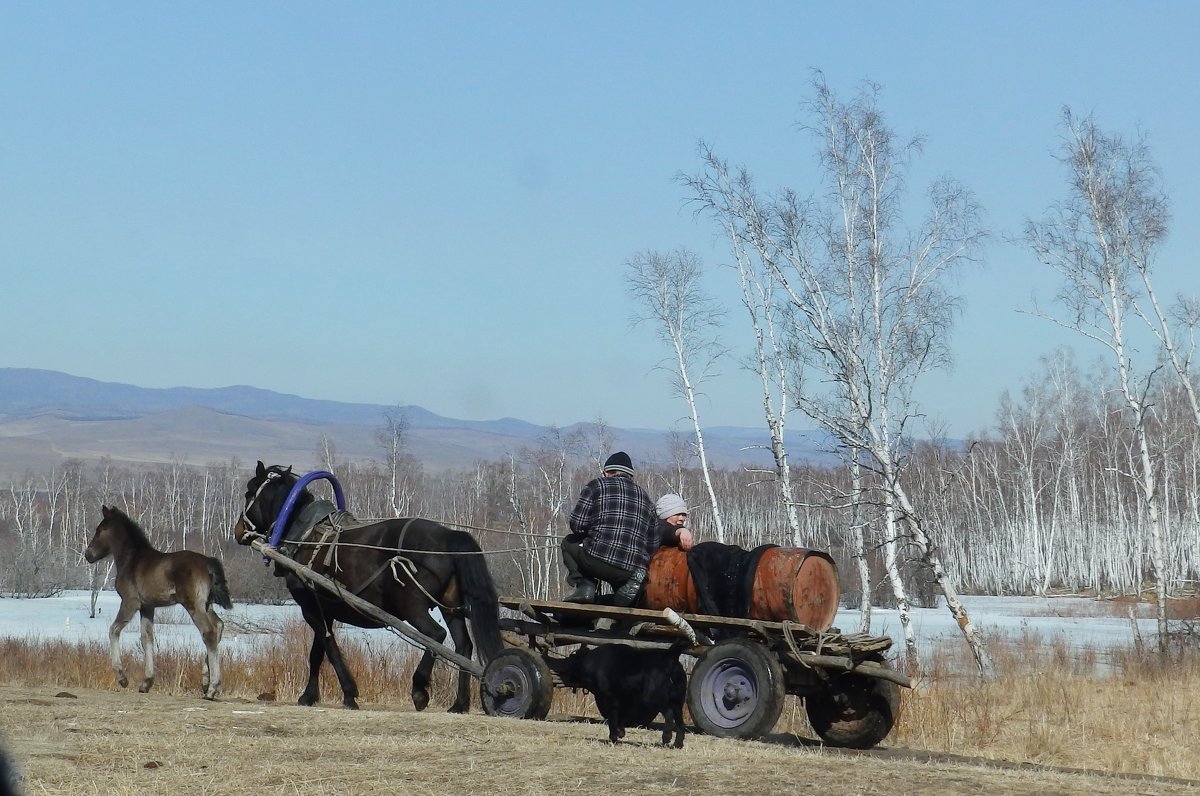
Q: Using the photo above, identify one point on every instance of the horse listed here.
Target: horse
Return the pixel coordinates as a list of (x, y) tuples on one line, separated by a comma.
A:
[(147, 579), (404, 566)]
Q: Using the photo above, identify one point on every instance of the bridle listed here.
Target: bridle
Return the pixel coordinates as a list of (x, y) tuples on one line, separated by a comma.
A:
[(248, 523)]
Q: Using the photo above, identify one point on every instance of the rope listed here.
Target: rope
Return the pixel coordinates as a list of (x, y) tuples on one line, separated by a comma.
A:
[(427, 552), (497, 530), (466, 526), (411, 568), (790, 638)]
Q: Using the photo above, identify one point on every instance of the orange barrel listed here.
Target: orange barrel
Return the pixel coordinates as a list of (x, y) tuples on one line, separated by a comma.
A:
[(796, 584), (669, 582), (790, 583)]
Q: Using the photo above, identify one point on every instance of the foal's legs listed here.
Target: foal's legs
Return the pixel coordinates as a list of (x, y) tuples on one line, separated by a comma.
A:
[(147, 648), (211, 627), (124, 614)]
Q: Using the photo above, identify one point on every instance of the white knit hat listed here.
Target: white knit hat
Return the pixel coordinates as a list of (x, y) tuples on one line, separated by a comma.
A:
[(669, 505)]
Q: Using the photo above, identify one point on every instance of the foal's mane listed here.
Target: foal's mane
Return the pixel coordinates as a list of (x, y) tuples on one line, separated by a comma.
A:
[(133, 531)]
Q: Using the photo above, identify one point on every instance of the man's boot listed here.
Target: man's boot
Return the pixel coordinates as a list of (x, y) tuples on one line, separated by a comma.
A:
[(631, 589), (585, 591)]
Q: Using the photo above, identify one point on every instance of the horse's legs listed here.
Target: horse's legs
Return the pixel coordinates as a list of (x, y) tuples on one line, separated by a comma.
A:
[(423, 622), (147, 648), (463, 646), (325, 646), (124, 614), (316, 655), (346, 680)]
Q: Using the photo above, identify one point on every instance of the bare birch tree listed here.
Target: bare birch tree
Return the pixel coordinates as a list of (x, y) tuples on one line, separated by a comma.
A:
[(669, 288), (729, 196), (1101, 239), (327, 454), (870, 310), (392, 438), (540, 491)]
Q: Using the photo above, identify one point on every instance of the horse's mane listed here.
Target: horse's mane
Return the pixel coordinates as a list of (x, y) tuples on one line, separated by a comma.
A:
[(134, 531)]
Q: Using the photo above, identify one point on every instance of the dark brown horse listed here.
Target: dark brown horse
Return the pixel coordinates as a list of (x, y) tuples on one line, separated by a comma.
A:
[(406, 567), (149, 579)]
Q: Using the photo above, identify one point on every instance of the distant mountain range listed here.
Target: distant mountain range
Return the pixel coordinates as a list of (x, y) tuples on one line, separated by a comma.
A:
[(47, 417)]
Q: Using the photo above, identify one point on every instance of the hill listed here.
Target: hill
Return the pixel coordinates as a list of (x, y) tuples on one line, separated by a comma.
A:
[(47, 417)]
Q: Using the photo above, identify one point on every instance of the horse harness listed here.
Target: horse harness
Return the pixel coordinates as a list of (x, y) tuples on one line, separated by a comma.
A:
[(321, 525)]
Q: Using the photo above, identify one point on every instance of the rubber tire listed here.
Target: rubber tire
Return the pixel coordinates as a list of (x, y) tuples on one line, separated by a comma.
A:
[(527, 678), (864, 719), (740, 668)]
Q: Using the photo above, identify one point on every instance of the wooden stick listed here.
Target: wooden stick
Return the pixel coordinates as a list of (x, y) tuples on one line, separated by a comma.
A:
[(864, 668)]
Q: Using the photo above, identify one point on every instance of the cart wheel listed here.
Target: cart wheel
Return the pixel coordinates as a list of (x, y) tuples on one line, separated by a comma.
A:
[(854, 712), (517, 684), (736, 691)]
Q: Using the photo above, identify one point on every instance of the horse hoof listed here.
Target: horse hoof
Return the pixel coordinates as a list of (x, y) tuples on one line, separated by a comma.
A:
[(145, 686), (459, 709), (420, 699), (306, 700), (123, 681), (350, 704)]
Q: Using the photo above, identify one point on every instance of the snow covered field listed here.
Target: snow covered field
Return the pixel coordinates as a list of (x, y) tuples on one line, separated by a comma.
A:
[(66, 617), (1081, 622)]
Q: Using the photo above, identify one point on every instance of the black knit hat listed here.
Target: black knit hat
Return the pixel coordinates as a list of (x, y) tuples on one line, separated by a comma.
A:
[(619, 462)]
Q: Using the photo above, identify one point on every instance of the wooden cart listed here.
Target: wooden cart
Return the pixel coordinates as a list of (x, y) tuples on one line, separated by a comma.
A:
[(743, 668)]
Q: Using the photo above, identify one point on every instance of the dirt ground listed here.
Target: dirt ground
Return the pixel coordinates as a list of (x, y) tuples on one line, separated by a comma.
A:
[(121, 743)]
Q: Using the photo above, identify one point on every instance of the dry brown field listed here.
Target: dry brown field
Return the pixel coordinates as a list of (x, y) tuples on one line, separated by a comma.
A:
[(1047, 724), (90, 741)]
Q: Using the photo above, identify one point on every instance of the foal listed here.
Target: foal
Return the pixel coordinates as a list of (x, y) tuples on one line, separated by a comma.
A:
[(149, 579)]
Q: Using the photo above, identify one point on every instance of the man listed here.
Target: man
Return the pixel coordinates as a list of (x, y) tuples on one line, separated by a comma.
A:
[(613, 535)]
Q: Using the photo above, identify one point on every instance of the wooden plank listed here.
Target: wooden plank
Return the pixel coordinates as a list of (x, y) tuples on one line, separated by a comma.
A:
[(560, 636), (773, 632), (864, 668), (370, 609)]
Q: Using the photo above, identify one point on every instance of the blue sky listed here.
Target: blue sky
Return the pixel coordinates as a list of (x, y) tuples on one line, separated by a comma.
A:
[(432, 204)]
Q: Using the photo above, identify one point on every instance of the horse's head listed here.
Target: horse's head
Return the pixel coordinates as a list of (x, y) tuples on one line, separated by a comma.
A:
[(114, 522), (265, 494)]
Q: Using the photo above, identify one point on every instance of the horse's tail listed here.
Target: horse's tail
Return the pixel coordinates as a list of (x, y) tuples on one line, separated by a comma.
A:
[(479, 594), (218, 592)]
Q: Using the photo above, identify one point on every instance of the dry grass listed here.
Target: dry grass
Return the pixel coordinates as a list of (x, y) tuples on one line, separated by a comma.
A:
[(105, 743), (1111, 710), (1048, 707)]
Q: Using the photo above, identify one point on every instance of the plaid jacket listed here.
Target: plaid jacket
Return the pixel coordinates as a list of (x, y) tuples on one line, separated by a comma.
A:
[(617, 520)]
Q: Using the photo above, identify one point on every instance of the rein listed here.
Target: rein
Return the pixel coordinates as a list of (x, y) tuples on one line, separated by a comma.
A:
[(248, 523), (280, 523)]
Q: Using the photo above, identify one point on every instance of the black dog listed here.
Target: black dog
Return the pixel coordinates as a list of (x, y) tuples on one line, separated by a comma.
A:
[(632, 686)]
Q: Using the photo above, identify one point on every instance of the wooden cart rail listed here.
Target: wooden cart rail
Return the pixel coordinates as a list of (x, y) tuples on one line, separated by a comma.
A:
[(559, 623)]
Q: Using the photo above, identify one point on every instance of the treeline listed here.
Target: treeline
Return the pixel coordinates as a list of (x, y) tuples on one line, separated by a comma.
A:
[(1041, 503)]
